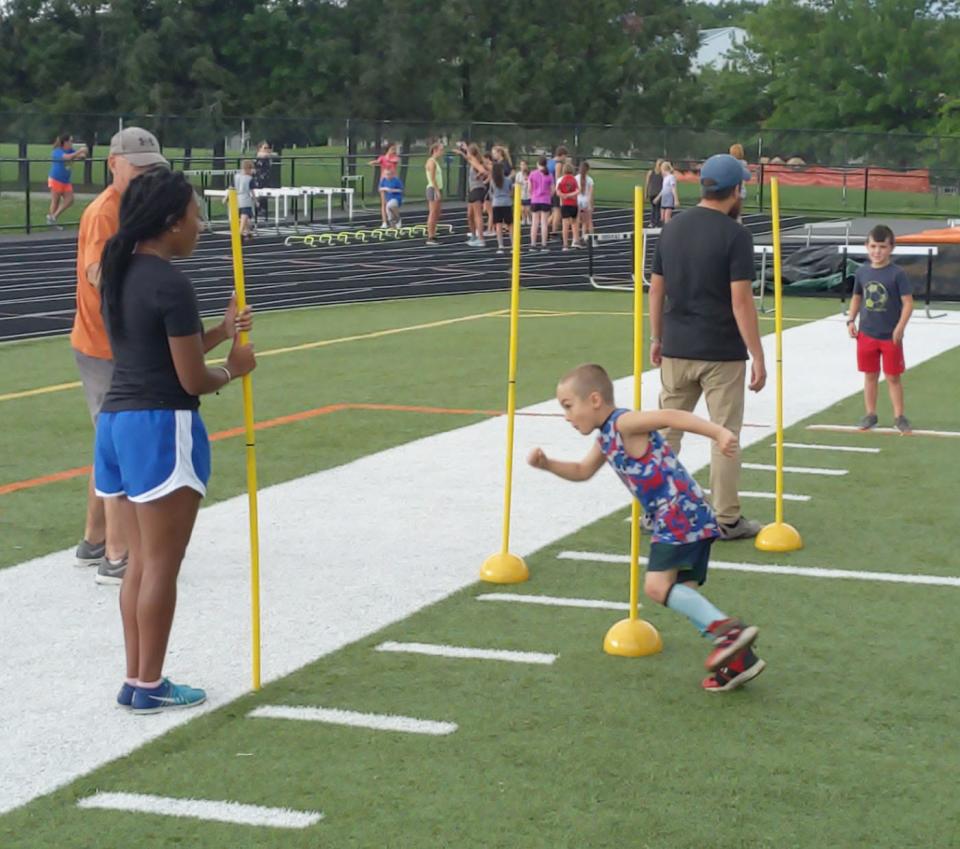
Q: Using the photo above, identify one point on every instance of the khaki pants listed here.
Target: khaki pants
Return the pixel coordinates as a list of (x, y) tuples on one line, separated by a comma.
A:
[(722, 385)]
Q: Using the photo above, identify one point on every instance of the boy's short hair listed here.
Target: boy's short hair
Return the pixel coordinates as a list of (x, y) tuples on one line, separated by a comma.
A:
[(882, 233), (588, 378), (247, 164)]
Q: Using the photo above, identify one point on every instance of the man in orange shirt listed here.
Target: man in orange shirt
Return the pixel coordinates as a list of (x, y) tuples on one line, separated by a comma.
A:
[(132, 151)]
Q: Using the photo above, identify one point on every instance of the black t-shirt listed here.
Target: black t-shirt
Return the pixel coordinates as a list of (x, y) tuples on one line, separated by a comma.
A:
[(699, 254), (158, 302)]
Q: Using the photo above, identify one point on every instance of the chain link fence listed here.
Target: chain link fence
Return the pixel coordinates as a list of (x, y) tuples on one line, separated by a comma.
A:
[(822, 173)]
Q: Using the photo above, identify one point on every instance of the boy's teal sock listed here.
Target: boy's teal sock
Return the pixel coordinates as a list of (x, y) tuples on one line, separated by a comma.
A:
[(694, 606)]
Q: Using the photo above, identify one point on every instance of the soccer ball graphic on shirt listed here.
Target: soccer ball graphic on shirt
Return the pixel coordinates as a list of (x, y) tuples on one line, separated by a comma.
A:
[(875, 296)]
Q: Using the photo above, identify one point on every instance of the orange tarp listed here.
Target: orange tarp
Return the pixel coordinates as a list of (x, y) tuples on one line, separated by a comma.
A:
[(946, 236)]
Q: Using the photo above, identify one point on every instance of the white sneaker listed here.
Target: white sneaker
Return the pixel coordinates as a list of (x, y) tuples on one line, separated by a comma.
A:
[(432, 243), (500, 251)]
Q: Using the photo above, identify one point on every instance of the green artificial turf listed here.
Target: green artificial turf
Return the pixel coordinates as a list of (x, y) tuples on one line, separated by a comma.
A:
[(847, 740)]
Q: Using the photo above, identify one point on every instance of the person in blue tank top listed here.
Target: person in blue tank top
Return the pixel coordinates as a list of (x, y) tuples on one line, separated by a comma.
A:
[(684, 524)]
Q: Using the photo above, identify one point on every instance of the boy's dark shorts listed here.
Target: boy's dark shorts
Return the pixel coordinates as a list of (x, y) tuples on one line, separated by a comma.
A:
[(690, 559)]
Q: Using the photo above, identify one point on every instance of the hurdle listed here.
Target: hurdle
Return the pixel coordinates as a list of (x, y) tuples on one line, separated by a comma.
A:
[(810, 236), (929, 251), (763, 251), (597, 280)]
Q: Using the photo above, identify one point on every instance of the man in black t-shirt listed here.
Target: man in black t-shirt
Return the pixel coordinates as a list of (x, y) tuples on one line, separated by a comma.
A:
[(704, 323)]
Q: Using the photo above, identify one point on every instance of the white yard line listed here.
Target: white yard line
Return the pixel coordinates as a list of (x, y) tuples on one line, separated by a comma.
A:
[(401, 518), (555, 601), (799, 470), (787, 496), (202, 809), (468, 653), (780, 569), (355, 719), (886, 431), (852, 449)]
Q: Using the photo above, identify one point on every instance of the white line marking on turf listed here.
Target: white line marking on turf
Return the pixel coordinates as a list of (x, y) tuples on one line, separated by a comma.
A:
[(787, 496), (469, 653), (889, 431), (799, 470), (853, 449), (202, 809), (777, 569), (355, 719), (555, 601), (45, 747)]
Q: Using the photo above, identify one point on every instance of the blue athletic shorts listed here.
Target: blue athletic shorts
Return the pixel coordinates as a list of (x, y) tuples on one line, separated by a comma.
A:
[(147, 454)]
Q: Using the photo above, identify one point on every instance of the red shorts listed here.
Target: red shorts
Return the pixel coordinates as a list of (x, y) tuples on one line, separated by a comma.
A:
[(58, 186), (870, 351)]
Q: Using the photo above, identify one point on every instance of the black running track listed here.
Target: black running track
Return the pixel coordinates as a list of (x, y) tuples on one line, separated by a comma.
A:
[(38, 276)]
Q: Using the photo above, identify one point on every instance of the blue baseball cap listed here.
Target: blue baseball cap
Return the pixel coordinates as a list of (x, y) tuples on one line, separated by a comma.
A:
[(721, 172)]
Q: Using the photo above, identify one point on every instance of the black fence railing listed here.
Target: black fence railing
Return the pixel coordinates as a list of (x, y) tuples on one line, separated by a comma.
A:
[(814, 190)]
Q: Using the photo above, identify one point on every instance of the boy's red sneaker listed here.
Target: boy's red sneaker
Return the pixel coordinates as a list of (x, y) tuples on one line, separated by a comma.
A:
[(743, 668), (730, 636)]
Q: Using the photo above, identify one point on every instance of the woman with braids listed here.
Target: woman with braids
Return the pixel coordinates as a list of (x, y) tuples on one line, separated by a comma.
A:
[(151, 449)]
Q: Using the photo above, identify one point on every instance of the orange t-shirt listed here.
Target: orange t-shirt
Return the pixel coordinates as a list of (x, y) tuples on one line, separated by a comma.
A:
[(99, 222)]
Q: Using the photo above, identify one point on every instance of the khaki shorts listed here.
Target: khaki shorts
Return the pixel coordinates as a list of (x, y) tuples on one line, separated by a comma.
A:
[(95, 375)]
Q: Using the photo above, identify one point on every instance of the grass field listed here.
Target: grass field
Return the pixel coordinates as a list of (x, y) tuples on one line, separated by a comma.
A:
[(846, 741)]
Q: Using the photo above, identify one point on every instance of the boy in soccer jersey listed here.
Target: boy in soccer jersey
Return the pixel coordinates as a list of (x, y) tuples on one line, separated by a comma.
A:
[(685, 525), (883, 301)]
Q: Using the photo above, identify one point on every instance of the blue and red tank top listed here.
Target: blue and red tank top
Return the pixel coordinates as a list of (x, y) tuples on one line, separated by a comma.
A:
[(665, 489)]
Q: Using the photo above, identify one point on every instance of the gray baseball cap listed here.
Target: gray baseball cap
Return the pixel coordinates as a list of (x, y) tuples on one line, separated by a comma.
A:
[(140, 147)]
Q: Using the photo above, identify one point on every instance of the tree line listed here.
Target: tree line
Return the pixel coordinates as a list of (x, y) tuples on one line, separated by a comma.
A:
[(879, 65)]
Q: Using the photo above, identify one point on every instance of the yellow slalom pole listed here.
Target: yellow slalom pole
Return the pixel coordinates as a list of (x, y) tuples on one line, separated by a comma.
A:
[(778, 536), (247, 383), (633, 636), (504, 567)]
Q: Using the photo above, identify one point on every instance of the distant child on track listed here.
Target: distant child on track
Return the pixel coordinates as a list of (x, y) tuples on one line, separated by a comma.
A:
[(391, 195), (501, 192), (685, 525), (242, 182), (541, 191), (668, 198), (388, 160), (60, 182), (883, 301), (585, 200), (523, 178), (567, 191)]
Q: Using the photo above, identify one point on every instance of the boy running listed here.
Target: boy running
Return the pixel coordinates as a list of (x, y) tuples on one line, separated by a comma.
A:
[(684, 523), (883, 301)]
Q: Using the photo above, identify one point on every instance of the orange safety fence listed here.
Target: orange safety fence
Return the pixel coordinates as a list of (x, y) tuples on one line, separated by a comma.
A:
[(877, 179)]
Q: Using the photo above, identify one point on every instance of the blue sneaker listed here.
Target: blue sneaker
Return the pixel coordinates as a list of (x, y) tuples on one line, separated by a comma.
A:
[(125, 696), (168, 696)]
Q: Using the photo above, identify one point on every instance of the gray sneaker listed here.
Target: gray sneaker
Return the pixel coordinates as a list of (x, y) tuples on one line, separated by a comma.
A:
[(868, 422), (743, 528), (902, 423), (89, 554), (109, 572), (51, 220)]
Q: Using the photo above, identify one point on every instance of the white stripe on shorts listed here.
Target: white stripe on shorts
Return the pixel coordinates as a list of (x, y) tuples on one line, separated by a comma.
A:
[(183, 473)]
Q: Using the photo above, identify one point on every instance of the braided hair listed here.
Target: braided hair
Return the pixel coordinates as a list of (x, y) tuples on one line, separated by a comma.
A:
[(151, 205)]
